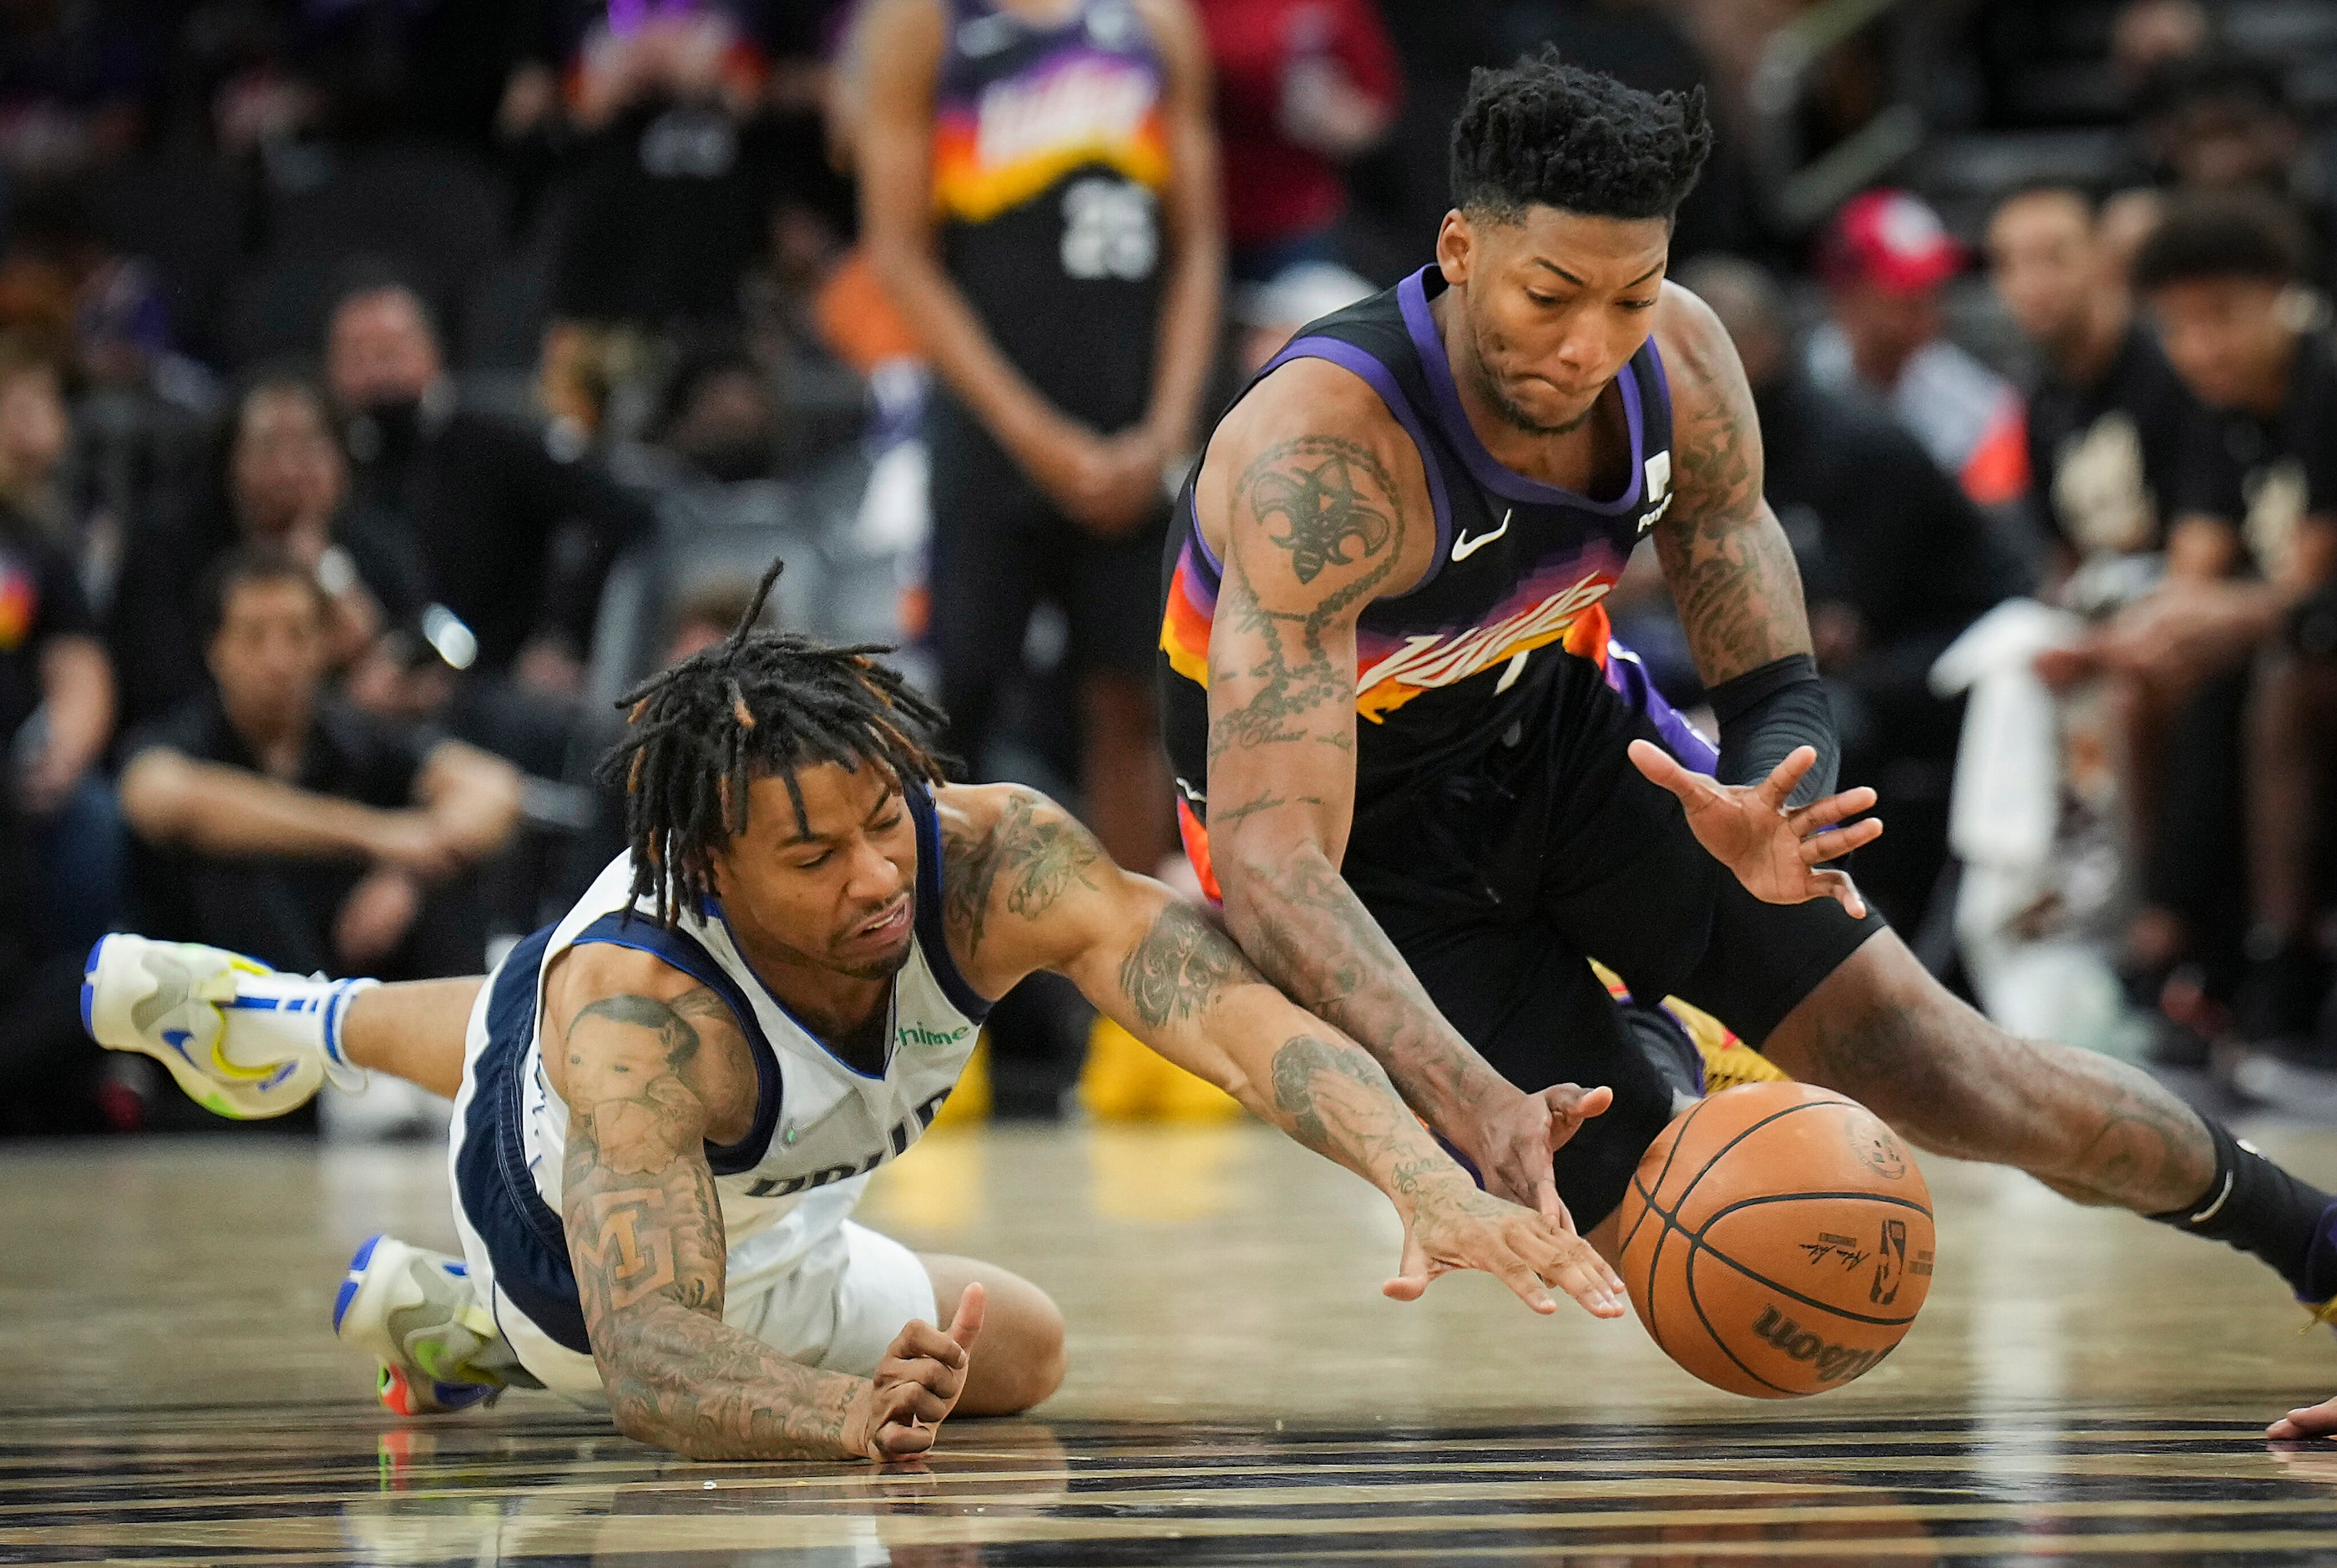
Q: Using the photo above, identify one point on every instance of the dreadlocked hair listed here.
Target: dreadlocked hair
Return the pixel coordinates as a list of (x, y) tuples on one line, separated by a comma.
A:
[(757, 704)]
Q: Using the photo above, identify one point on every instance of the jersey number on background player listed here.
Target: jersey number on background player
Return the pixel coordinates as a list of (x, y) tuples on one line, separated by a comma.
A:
[(1109, 230)]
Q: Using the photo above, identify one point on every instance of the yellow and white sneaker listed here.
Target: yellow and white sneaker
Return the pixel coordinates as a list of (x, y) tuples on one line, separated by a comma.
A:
[(242, 1040), (418, 1315)]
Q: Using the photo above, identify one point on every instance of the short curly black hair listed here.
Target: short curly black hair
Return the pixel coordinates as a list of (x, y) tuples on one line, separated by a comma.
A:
[(2208, 234), (1541, 132)]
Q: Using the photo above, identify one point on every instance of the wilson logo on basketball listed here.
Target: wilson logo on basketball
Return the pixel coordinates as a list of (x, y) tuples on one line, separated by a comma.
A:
[(1834, 1363)]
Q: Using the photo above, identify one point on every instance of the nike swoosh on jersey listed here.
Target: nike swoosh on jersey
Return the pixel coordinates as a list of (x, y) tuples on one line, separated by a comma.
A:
[(1463, 547)]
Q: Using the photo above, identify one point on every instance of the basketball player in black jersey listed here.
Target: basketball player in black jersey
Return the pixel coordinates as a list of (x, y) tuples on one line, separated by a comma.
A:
[(1426, 788)]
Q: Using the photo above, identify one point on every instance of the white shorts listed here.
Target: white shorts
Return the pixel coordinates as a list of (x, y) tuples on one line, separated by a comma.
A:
[(819, 1289)]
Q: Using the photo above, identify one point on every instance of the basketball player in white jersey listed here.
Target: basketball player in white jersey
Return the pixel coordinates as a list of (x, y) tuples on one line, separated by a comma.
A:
[(667, 1103)]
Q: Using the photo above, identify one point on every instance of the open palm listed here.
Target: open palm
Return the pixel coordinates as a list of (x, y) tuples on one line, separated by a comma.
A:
[(1776, 853)]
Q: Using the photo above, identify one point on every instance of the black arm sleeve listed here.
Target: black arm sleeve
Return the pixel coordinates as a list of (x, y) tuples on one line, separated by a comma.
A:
[(1765, 713)]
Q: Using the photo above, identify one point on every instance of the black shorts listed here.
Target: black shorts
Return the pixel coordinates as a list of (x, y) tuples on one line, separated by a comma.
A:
[(1000, 548), (1497, 881)]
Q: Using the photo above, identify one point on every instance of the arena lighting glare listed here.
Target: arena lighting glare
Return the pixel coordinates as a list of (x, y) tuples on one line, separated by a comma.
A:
[(444, 631)]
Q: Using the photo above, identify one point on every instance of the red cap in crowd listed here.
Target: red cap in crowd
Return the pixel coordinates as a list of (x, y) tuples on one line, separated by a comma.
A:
[(1892, 240)]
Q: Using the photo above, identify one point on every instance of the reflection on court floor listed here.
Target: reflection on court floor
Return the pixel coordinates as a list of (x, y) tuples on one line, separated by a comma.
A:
[(2079, 1387)]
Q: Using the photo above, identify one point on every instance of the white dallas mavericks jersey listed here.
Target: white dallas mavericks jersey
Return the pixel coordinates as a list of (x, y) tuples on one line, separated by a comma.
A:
[(820, 1127)]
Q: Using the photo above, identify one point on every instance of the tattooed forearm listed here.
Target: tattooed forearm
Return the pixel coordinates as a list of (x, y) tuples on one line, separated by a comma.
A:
[(1303, 926), (1730, 568), (1035, 850), (645, 1238), (1335, 1100), (1179, 967)]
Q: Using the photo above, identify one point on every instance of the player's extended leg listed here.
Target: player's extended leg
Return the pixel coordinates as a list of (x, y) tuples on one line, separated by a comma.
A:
[(412, 1030), (1019, 1360), (247, 1042), (1878, 1028)]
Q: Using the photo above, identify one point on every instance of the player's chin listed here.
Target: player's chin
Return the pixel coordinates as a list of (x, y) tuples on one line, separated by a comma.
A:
[(865, 961)]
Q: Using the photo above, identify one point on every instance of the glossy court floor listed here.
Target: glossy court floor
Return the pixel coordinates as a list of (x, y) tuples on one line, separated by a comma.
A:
[(2082, 1387)]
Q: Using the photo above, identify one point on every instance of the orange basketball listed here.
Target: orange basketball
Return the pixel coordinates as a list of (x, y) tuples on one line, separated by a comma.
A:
[(1776, 1240)]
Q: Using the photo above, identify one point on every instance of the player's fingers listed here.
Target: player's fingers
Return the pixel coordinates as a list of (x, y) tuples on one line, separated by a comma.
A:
[(922, 1338), (1571, 1103), (1662, 769), (1584, 1275), (965, 1327), (1414, 1274), (1522, 1281), (1836, 842), (927, 1393), (1548, 1252), (1778, 787), (1826, 813), (1838, 886)]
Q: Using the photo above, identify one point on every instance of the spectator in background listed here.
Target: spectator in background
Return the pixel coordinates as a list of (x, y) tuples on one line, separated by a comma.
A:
[(720, 417), (276, 821), (513, 535), (2107, 416), (2254, 535), (1038, 196), (285, 483), (1895, 561), (56, 684), (1302, 87), (2222, 121), (676, 170), (1884, 260)]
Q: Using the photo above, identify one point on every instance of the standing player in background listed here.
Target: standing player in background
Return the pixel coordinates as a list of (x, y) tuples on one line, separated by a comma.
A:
[(1039, 192), (1425, 805)]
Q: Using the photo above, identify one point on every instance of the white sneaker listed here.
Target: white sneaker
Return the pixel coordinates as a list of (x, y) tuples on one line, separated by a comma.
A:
[(417, 1314), (243, 1041)]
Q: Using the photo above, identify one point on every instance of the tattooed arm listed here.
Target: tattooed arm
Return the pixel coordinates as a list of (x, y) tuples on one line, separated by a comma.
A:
[(651, 1063), (1030, 888), (1731, 571), (1317, 504)]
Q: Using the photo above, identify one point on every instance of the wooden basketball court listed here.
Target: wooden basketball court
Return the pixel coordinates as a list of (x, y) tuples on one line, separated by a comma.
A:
[(2080, 1387)]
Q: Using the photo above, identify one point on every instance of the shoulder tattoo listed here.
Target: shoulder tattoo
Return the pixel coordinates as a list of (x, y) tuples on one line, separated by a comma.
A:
[(1317, 497), (1035, 852)]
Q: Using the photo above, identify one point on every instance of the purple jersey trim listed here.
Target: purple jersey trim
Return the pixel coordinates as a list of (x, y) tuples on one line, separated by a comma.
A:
[(1629, 678), (1362, 363), (1412, 294)]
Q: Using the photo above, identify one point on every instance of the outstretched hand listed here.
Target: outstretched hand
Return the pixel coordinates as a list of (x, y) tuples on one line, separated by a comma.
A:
[(1455, 1225), (1775, 852), (917, 1385), (2310, 1421), (1512, 1145)]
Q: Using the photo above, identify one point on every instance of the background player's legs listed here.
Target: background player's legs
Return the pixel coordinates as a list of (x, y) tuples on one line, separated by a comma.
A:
[(1123, 772), (1112, 592), (413, 1030), (1018, 1359)]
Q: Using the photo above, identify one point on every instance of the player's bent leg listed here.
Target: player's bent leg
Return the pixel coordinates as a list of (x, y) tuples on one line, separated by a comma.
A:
[(1018, 1359), (1880, 1029)]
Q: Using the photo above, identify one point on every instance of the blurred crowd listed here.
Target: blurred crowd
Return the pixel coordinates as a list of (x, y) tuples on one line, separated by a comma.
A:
[(386, 384)]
